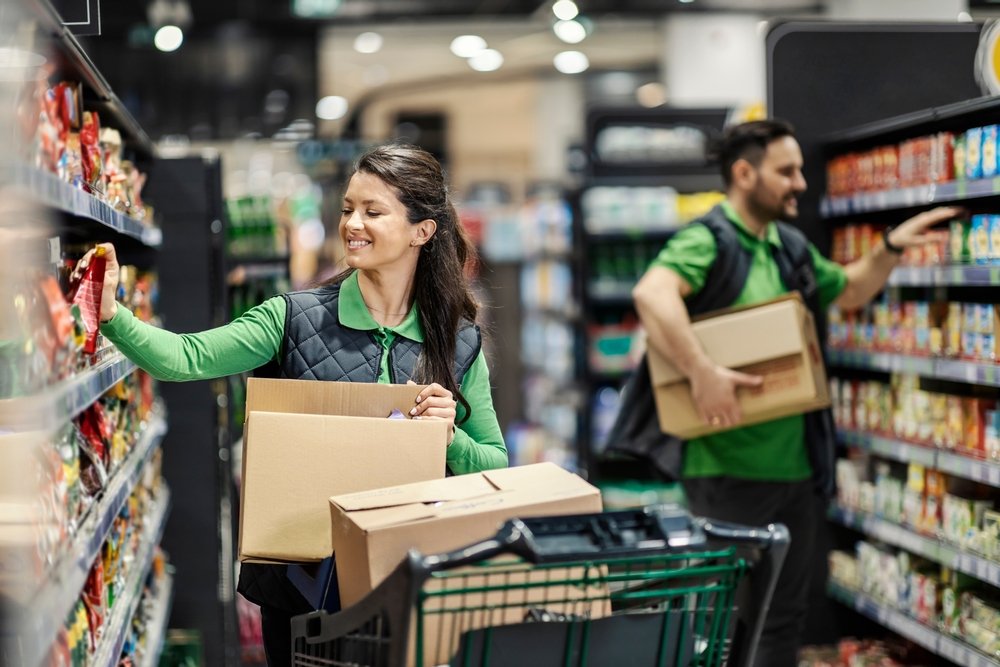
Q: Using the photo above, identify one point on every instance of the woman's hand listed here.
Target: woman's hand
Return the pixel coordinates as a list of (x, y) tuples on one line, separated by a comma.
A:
[(435, 402), (111, 276)]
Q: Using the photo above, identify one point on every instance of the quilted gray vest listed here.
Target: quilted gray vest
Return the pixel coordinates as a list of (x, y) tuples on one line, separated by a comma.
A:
[(317, 347)]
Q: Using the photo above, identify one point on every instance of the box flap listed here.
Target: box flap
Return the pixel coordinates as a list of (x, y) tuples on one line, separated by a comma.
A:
[(459, 487), (741, 338), (382, 517), (351, 399), (541, 477)]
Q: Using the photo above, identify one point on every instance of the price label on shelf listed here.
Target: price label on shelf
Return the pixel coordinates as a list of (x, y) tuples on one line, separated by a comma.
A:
[(994, 276), (961, 188), (957, 275), (990, 374), (970, 373)]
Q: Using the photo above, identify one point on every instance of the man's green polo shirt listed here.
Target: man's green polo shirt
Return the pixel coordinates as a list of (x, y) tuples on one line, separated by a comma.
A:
[(774, 450)]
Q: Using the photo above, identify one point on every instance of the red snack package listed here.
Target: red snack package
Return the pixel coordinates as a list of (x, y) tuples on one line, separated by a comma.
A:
[(91, 148), (88, 297)]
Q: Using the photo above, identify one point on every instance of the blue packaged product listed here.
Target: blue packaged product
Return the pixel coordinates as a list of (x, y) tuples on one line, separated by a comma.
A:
[(994, 251), (979, 239), (974, 153), (989, 151)]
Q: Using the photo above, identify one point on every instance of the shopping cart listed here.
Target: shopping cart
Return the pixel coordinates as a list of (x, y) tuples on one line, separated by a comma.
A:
[(646, 587)]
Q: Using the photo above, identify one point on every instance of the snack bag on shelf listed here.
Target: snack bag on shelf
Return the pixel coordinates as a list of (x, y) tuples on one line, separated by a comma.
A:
[(958, 157), (974, 153), (93, 161), (70, 164)]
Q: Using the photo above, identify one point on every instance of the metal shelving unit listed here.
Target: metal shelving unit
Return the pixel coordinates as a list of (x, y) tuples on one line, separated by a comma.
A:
[(61, 587), (945, 460), (118, 626), (903, 537), (945, 276), (158, 623), (938, 643), (954, 370), (48, 190), (920, 195), (64, 401)]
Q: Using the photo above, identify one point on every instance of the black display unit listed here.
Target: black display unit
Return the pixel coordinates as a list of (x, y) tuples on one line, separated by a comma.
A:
[(192, 273), (670, 148), (837, 83)]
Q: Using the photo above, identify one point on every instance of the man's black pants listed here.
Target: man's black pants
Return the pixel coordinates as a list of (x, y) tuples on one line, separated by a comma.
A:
[(754, 503)]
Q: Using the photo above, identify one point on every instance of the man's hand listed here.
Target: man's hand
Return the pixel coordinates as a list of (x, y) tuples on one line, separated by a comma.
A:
[(714, 393), (913, 232)]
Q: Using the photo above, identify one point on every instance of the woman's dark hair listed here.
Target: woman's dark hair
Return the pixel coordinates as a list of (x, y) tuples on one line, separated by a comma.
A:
[(440, 287), (749, 141)]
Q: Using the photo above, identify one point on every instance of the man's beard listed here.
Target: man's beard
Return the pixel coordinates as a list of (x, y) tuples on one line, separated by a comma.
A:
[(766, 211)]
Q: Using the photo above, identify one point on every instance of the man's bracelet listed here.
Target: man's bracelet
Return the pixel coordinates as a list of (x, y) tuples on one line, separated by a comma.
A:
[(889, 245)]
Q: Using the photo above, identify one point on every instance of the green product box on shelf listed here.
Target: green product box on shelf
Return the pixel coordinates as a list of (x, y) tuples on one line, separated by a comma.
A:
[(958, 238)]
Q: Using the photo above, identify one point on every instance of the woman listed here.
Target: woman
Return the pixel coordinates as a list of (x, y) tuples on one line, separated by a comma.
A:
[(402, 311)]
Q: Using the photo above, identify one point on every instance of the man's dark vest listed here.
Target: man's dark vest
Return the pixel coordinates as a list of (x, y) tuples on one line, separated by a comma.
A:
[(636, 430), (316, 346)]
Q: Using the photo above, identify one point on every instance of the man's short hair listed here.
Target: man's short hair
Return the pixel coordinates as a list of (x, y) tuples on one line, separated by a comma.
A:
[(749, 141)]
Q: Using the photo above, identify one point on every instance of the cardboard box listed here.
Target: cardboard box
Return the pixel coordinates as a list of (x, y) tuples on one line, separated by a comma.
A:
[(305, 441), (373, 530), (776, 339)]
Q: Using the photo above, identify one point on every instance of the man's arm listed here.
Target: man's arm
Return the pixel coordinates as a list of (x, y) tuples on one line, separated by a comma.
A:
[(867, 276), (659, 300)]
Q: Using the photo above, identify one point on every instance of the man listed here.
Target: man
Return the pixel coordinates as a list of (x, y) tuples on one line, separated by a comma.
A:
[(763, 473)]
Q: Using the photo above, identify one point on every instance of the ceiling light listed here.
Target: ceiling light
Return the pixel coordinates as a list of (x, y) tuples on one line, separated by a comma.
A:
[(486, 60), (168, 38), (466, 46), (368, 42), (565, 10), (331, 107), (687, 2), (571, 62), (571, 32)]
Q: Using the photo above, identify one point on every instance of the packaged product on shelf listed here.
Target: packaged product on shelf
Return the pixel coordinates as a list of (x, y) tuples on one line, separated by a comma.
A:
[(962, 518), (90, 146), (991, 433), (939, 419), (850, 473), (70, 165), (95, 599), (913, 494), (974, 153), (935, 487), (866, 497), (958, 156), (956, 423), (973, 410), (994, 239), (979, 239), (988, 542), (989, 151), (958, 242)]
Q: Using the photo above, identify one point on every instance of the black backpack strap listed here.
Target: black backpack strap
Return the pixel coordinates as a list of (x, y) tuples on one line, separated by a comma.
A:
[(796, 266), (798, 272), (728, 273)]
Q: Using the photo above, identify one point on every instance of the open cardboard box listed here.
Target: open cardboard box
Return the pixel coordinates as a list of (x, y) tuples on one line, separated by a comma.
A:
[(775, 339), (306, 440), (373, 530)]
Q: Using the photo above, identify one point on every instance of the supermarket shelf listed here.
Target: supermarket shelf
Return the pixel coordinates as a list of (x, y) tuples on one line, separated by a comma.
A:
[(933, 119), (945, 276), (74, 64), (158, 623), (947, 647), (941, 369), (64, 401), (49, 608), (948, 461), (958, 559), (119, 624), (47, 189), (984, 472), (897, 450), (920, 195)]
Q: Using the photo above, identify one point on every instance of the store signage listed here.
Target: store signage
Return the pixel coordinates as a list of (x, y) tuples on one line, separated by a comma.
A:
[(82, 17)]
